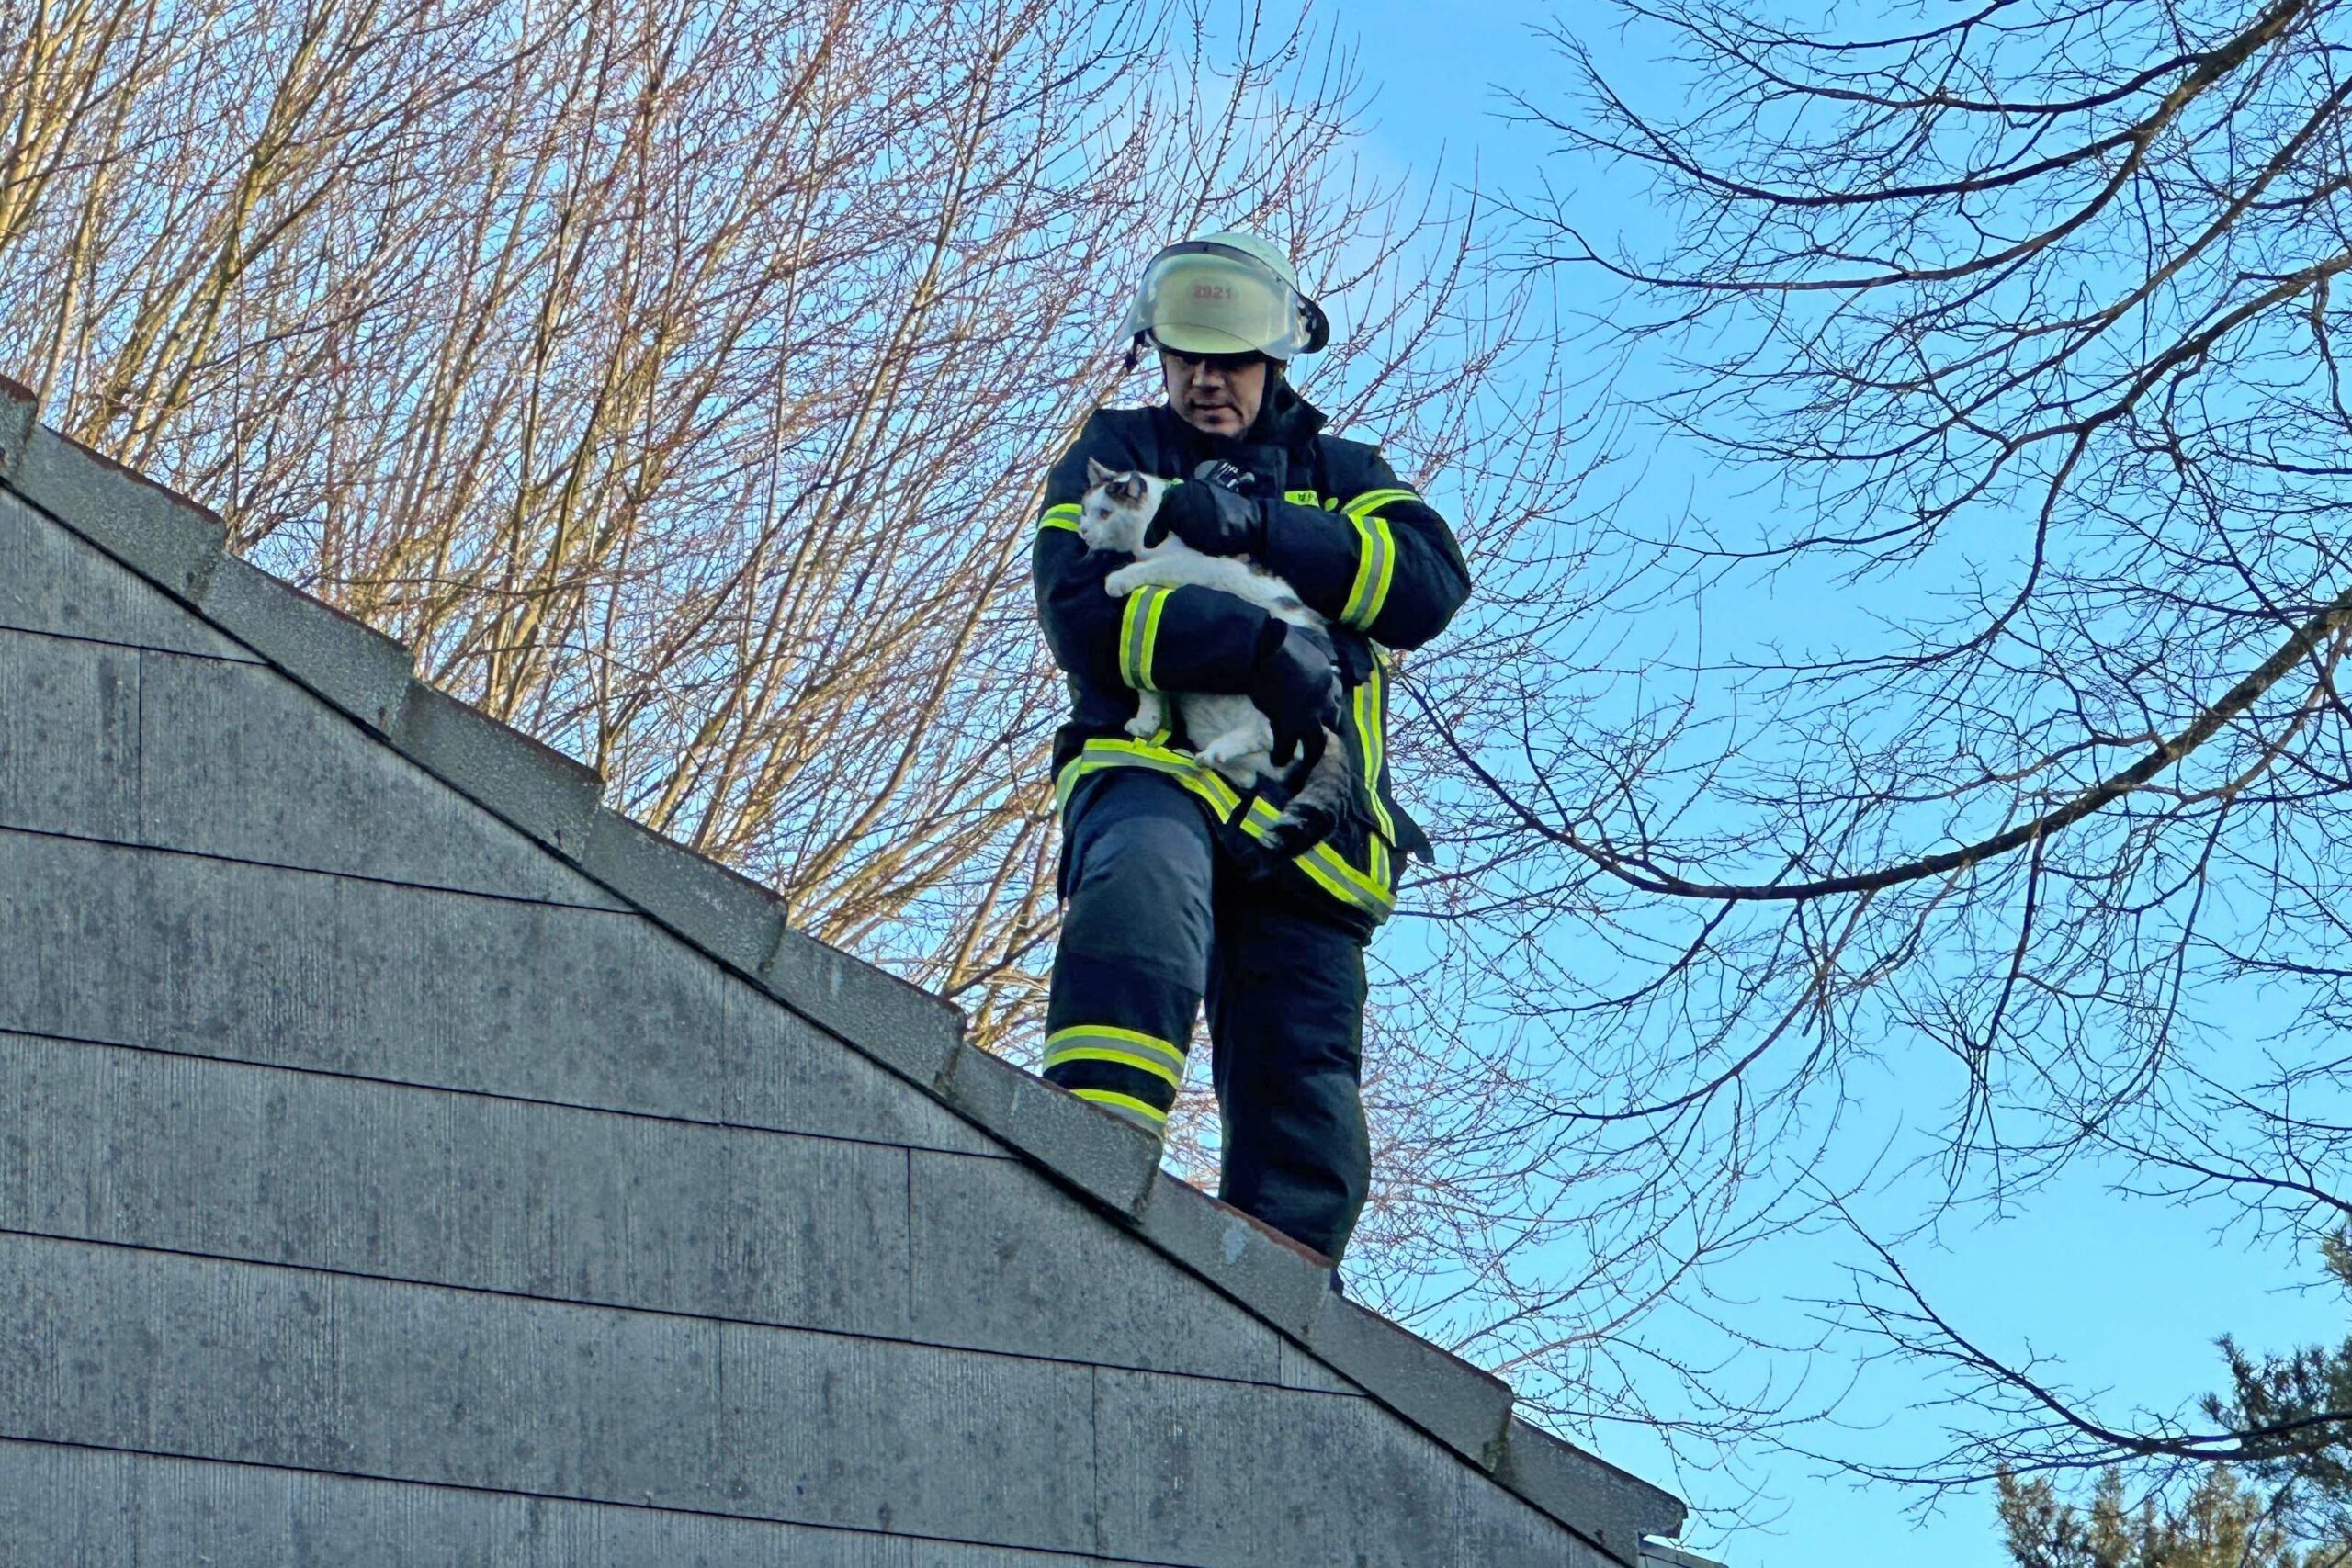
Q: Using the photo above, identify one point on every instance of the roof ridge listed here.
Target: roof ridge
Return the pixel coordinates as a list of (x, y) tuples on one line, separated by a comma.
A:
[(181, 548)]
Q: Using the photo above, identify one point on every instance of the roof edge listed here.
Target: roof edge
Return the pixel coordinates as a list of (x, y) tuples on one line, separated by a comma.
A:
[(180, 548), (1612, 1507)]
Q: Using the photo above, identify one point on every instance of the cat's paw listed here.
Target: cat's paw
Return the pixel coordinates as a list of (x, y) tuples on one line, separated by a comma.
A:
[(1239, 757), (1151, 715), (1121, 582), (1299, 828)]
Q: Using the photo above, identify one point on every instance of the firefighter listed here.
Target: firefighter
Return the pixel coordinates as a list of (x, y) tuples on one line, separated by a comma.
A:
[(1171, 896)]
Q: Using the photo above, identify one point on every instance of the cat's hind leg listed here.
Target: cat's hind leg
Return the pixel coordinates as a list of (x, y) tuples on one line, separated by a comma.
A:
[(1151, 715), (1330, 790), (1240, 757), (1230, 735)]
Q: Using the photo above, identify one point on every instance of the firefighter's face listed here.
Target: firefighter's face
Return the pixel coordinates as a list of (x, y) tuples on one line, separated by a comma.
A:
[(1219, 393)]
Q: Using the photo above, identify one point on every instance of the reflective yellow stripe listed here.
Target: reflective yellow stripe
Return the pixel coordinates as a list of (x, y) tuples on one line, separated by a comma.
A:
[(1373, 500), (1345, 883), (1113, 1031), (1375, 569), (1139, 634), (1062, 516), (1093, 1036), (1151, 628), (1126, 1103), (1371, 732), (1303, 497), (1131, 625), (1184, 768), (1372, 889), (1372, 892), (1104, 1054), (1376, 556)]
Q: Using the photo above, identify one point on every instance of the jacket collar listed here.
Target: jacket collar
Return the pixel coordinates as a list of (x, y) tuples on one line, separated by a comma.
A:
[(1285, 419), (1286, 423)]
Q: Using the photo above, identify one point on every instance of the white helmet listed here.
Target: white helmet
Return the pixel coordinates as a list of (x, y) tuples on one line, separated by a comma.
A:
[(1226, 293)]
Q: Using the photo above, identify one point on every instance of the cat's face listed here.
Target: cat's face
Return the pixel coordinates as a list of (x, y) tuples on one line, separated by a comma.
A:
[(1116, 507)]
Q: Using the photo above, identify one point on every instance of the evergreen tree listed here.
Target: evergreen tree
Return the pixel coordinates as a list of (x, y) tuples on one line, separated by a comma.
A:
[(2294, 1413), (2223, 1523), (2286, 1504)]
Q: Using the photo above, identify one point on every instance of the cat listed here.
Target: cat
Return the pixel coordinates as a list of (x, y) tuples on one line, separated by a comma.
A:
[(1227, 731)]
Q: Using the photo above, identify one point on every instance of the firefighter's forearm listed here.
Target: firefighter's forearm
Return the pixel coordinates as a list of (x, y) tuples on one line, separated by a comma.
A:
[(1188, 639), (1385, 564)]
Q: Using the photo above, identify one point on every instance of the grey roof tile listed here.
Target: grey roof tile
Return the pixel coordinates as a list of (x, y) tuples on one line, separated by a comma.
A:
[(534, 787), (1301, 1370), (1461, 1406), (350, 663), (69, 736), (163, 535), (903, 1027), (1002, 1260), (165, 1509), (1280, 1280), (1111, 1160), (731, 918), (337, 799), (57, 583), (1608, 1506), (16, 424)]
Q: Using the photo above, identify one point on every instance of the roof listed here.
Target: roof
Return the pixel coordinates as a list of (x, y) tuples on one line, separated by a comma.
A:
[(178, 547)]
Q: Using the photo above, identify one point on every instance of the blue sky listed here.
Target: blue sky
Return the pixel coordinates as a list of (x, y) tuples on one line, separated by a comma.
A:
[(2042, 1277)]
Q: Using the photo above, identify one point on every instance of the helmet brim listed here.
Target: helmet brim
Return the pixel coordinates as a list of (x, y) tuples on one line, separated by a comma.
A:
[(1188, 337)]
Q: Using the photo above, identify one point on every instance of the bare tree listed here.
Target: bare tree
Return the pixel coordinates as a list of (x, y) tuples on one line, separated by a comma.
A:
[(2013, 330), (679, 380)]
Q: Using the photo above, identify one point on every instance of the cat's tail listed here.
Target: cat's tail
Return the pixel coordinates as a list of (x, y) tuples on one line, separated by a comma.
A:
[(1332, 791)]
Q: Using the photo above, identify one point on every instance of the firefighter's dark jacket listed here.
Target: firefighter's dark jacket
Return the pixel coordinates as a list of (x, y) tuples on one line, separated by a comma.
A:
[(1358, 546)]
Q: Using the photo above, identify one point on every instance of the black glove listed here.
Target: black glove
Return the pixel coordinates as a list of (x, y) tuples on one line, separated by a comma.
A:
[(1210, 514), (1296, 687)]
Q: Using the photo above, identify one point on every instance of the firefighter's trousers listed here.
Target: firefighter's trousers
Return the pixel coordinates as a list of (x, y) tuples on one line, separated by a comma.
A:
[(1160, 915)]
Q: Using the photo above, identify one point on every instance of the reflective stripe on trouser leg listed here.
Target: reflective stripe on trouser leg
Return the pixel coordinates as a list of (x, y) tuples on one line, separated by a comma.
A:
[(1123, 1070), (1133, 958)]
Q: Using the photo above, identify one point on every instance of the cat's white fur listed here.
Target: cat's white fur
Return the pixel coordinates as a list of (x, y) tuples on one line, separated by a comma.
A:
[(1227, 732)]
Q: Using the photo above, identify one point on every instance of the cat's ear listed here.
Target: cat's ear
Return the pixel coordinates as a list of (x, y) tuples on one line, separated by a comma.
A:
[(1096, 473), (1128, 491)]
